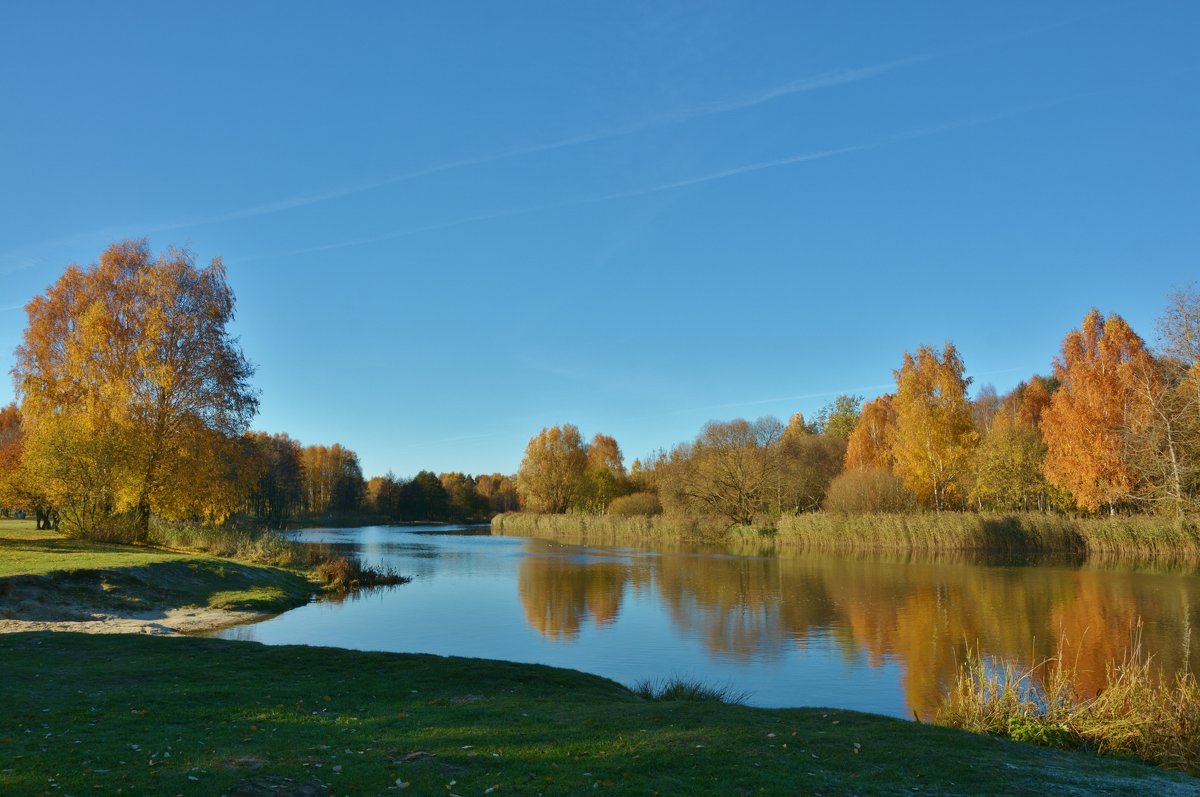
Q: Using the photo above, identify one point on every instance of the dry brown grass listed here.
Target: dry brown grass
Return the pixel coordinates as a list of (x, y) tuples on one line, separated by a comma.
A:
[(1141, 712)]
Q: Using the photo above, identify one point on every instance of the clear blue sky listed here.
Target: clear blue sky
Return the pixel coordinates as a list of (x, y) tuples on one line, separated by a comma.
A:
[(449, 225)]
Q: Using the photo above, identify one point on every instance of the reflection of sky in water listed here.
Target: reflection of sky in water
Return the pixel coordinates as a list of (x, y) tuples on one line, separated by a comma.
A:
[(852, 632)]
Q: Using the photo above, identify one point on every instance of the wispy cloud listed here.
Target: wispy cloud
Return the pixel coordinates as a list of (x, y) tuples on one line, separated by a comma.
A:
[(708, 177), (825, 80), (839, 77)]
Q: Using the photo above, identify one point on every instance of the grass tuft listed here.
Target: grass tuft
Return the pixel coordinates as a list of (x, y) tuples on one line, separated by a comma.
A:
[(677, 688)]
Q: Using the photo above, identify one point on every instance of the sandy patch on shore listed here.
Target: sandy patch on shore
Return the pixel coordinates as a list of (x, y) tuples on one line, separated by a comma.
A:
[(166, 623), (35, 608)]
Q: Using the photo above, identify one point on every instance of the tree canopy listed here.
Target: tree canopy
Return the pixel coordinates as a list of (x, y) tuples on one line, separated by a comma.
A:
[(131, 385), (934, 435)]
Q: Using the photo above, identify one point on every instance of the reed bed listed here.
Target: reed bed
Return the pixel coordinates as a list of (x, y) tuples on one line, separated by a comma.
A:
[(609, 529), (1138, 538), (1141, 712), (929, 531)]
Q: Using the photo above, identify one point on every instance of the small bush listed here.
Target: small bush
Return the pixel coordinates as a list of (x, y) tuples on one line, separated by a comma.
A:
[(635, 504), (342, 574), (869, 490)]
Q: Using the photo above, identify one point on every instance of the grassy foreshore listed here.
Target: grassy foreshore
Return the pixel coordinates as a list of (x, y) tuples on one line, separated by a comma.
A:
[(45, 576), (1025, 532), (171, 715)]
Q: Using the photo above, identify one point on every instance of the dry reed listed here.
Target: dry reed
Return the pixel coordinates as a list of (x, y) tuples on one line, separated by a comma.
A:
[(1141, 712)]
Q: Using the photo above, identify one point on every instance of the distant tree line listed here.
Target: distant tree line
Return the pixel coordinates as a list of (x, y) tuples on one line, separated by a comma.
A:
[(1114, 429)]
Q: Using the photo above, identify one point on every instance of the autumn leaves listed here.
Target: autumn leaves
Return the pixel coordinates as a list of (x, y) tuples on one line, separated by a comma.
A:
[(132, 393), (1117, 427)]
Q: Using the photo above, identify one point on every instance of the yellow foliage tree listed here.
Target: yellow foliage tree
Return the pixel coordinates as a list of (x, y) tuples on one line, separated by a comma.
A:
[(1089, 419), (550, 478), (125, 374), (934, 437)]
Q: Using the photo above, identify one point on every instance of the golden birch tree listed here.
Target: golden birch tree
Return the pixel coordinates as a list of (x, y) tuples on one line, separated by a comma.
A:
[(934, 437), (551, 474), (125, 371)]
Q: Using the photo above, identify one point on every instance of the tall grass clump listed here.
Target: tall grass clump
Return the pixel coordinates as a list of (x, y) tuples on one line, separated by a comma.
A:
[(250, 545), (677, 688), (1141, 712), (1139, 536)]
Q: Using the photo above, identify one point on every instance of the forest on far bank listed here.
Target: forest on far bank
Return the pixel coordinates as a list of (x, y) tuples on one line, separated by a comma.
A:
[(135, 405), (1115, 429)]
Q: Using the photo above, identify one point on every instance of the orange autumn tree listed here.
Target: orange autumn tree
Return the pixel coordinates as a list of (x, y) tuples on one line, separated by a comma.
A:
[(934, 437), (1092, 415), (869, 444)]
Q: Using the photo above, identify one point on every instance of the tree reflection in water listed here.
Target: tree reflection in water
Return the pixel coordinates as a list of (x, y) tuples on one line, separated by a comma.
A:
[(922, 611)]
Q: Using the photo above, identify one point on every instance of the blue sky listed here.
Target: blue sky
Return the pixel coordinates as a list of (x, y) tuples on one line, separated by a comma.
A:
[(449, 225)]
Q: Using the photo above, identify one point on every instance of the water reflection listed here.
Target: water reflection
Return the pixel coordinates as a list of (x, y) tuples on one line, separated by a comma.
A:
[(881, 633), (923, 614)]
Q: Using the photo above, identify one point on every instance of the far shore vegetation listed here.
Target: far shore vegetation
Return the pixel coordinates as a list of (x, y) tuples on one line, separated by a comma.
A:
[(217, 717), (1102, 456)]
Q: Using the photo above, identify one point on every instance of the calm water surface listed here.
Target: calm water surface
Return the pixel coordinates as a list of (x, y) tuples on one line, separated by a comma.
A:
[(881, 633)]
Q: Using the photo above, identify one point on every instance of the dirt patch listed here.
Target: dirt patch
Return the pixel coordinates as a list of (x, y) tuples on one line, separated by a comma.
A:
[(32, 607)]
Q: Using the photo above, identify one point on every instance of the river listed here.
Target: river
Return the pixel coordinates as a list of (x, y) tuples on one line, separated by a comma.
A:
[(882, 632)]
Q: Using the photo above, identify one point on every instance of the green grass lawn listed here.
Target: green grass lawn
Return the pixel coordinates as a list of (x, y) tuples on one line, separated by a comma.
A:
[(116, 577), (160, 715)]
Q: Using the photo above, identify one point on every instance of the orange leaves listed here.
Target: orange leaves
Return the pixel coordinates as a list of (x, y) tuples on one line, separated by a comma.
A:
[(1088, 417), (870, 443)]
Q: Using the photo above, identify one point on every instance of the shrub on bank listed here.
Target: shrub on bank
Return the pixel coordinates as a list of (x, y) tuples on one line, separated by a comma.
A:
[(635, 504), (869, 490)]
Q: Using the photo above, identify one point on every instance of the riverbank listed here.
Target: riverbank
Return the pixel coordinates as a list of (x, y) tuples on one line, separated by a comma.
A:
[(1136, 537), (52, 582), (154, 715)]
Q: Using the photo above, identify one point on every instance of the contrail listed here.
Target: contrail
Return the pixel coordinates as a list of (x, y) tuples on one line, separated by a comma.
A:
[(723, 174), (839, 77)]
